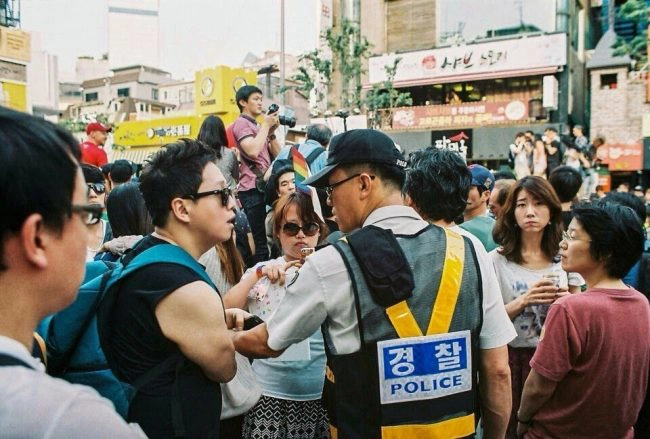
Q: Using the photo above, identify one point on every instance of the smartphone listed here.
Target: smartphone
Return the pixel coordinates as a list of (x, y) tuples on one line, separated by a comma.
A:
[(252, 322), (307, 251)]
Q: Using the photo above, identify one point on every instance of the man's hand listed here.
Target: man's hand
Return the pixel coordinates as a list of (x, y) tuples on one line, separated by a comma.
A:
[(272, 121), (235, 318)]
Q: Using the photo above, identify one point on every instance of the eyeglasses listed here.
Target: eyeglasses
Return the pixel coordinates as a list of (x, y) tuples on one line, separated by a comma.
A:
[(568, 238), (225, 194), (98, 188), (292, 229), (90, 213), (330, 188)]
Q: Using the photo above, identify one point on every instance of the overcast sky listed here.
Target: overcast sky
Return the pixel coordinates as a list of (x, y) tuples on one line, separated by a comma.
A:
[(194, 34)]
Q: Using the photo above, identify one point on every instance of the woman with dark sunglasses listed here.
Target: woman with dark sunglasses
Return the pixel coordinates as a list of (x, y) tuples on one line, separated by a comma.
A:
[(100, 231), (292, 383)]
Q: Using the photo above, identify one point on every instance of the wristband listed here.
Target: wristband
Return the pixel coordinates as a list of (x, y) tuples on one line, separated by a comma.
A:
[(529, 422), (258, 271)]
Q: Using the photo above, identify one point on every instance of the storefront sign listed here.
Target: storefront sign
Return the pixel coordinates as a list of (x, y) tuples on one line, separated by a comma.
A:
[(456, 140), (526, 54), (15, 44), (622, 156), (461, 115), (13, 71)]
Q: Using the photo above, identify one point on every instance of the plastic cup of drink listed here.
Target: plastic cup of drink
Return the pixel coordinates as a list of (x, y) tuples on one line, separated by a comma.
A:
[(553, 276)]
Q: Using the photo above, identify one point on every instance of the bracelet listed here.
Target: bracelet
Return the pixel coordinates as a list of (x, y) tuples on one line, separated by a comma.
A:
[(271, 138), (528, 422), (258, 271)]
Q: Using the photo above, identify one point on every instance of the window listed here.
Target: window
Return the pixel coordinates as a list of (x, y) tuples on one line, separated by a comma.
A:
[(90, 97), (165, 95), (123, 92), (154, 94), (608, 81), (142, 107), (492, 19)]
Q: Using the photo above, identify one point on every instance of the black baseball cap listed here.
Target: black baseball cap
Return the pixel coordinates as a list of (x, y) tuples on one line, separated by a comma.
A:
[(358, 146)]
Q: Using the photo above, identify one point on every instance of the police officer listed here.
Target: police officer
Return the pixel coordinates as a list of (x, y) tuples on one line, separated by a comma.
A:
[(401, 306)]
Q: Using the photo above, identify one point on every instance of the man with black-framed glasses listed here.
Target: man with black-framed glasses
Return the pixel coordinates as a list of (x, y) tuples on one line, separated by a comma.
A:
[(402, 358), (43, 239), (167, 310)]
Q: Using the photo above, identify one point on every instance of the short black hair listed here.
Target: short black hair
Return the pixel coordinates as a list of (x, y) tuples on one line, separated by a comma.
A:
[(174, 171), (121, 171), (551, 129), (320, 133), (39, 162), (392, 176), (438, 182), (245, 92), (629, 200), (566, 182), (92, 174), (617, 237), (213, 134)]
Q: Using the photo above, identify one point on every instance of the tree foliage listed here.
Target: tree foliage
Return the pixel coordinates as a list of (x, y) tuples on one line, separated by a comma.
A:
[(637, 12), (349, 55), (384, 96)]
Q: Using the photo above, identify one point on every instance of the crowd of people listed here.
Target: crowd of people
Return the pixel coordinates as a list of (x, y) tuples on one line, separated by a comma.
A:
[(333, 288)]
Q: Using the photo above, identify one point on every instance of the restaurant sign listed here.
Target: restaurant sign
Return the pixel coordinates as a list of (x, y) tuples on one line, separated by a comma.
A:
[(460, 115), (622, 156), (517, 54)]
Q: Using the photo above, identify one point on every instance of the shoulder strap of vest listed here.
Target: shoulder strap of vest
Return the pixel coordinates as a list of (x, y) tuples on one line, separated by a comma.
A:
[(10, 360), (400, 314)]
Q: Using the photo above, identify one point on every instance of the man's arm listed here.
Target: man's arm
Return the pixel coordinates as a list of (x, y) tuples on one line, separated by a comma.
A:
[(495, 391), (193, 318), (254, 145), (253, 343)]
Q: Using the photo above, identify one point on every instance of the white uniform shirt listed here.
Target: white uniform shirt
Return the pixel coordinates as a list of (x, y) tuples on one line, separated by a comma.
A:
[(35, 405), (322, 293)]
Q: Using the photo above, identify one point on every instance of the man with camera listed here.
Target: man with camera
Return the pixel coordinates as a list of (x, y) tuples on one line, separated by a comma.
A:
[(257, 146)]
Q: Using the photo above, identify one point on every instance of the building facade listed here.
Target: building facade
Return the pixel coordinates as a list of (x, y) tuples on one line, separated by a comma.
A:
[(132, 21), (480, 77)]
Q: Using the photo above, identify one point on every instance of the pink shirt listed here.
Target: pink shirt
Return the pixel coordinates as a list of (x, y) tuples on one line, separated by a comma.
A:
[(245, 126), (596, 346)]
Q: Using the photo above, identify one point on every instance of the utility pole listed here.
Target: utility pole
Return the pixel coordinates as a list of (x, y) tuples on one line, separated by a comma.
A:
[(282, 66)]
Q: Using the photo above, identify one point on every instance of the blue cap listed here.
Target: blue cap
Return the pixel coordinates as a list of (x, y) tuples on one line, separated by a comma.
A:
[(481, 177)]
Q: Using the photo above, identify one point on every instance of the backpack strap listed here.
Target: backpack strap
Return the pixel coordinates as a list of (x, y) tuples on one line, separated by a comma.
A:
[(165, 253), (314, 155), (10, 360)]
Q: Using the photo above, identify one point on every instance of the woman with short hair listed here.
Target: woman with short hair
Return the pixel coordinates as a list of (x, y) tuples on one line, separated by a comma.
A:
[(590, 371)]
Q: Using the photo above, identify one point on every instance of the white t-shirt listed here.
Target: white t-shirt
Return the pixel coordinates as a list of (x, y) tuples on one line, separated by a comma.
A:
[(515, 280), (322, 293), (35, 405), (299, 373)]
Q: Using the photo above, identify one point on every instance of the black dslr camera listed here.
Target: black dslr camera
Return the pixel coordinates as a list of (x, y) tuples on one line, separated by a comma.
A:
[(285, 119)]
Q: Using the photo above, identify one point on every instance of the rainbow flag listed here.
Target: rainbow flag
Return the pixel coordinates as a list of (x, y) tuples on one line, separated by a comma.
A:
[(300, 169), (301, 172)]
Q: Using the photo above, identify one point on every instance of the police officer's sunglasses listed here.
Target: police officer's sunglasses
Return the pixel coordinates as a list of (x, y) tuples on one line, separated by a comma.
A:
[(225, 194)]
